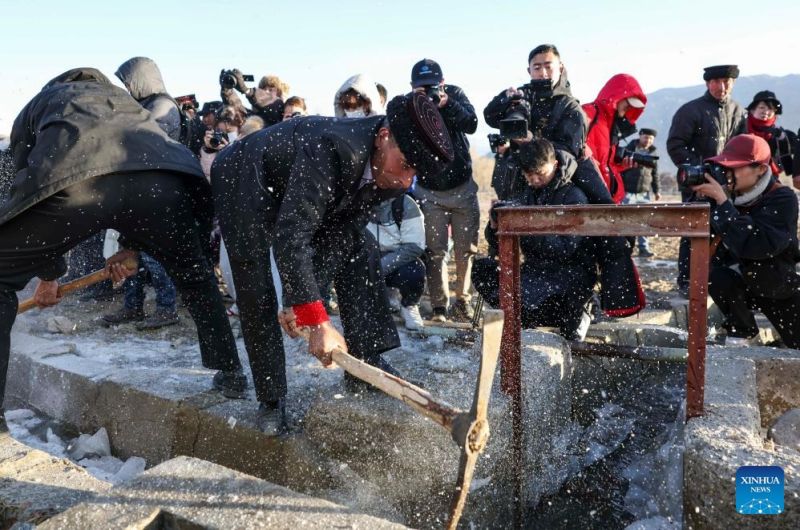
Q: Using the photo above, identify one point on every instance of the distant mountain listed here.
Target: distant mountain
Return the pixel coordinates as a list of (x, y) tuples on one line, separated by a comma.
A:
[(662, 104)]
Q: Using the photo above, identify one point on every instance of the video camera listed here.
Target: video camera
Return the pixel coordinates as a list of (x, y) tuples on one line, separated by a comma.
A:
[(642, 159), (227, 79), (689, 175), (518, 115)]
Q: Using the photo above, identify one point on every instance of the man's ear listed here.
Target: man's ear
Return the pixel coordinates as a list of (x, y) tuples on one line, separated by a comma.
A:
[(382, 136)]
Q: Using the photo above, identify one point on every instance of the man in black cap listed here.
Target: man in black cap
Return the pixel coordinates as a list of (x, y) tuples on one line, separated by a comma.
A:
[(449, 199), (88, 157), (699, 130), (641, 180), (305, 188)]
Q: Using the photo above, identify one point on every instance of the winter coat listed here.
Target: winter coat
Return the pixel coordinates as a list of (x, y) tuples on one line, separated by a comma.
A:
[(460, 118), (702, 127), (604, 128), (641, 179), (364, 85), (6, 173), (143, 79), (401, 238), (559, 264), (301, 181), (81, 126), (558, 118), (759, 240)]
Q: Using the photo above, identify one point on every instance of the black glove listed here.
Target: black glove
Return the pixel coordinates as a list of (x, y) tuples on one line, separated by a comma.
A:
[(240, 86)]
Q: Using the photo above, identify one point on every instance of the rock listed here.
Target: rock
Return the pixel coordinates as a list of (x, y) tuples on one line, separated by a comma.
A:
[(786, 430), (87, 446), (132, 468), (447, 363), (60, 325)]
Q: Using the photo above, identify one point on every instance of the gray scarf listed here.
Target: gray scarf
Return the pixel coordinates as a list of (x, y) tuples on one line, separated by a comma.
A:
[(749, 197)]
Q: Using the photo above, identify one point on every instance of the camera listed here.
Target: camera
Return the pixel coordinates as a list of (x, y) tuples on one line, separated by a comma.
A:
[(227, 79), (216, 139), (434, 92), (689, 175), (515, 123), (496, 141), (642, 159)]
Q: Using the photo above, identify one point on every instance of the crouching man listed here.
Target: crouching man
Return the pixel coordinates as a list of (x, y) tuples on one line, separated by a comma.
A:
[(559, 272), (88, 157), (306, 187), (754, 267)]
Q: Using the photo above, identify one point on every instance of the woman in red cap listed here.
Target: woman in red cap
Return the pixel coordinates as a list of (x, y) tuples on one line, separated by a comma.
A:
[(755, 266), (762, 115)]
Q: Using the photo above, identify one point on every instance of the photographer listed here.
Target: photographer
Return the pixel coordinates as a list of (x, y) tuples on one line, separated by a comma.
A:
[(699, 130), (612, 116), (548, 106), (762, 113), (642, 179), (266, 100), (449, 199), (754, 267), (558, 272)]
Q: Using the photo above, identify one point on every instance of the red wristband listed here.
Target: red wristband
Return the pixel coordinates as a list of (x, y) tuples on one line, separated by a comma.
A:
[(310, 314)]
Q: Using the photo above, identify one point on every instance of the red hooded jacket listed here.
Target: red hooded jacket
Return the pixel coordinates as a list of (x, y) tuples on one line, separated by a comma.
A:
[(601, 113)]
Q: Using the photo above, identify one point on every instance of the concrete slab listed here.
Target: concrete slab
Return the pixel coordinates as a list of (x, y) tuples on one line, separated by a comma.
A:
[(191, 493), (35, 486)]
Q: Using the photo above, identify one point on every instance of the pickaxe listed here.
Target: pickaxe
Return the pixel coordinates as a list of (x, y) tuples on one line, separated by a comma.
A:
[(470, 429), (78, 284)]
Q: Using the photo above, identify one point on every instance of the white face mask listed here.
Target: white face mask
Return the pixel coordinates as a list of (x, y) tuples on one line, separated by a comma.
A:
[(232, 136), (357, 113)]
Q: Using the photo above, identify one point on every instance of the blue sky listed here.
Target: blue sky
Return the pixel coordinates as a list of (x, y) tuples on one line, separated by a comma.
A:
[(314, 45)]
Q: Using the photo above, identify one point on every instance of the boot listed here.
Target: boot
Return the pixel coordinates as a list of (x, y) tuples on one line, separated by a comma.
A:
[(161, 318), (123, 316), (232, 383), (271, 418)]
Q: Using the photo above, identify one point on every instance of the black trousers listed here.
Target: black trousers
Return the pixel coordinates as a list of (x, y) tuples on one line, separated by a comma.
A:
[(546, 302), (155, 212), (347, 256), (729, 292)]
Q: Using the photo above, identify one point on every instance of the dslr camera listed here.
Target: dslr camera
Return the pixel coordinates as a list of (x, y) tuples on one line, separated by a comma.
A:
[(227, 79), (642, 159), (689, 175), (434, 92), (216, 139), (496, 141)]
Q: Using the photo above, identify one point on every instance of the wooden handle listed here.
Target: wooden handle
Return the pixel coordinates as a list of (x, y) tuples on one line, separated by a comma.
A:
[(77, 284), (413, 396)]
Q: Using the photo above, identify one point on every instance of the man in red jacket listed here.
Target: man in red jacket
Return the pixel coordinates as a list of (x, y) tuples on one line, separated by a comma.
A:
[(612, 117)]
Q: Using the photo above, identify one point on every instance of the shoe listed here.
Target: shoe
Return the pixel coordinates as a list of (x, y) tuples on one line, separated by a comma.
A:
[(462, 311), (123, 316), (580, 333), (644, 253), (412, 318), (354, 385), (439, 314), (231, 383), (271, 418), (161, 318)]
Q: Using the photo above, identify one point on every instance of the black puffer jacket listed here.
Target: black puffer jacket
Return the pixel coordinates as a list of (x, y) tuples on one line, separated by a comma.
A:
[(459, 116), (143, 79), (81, 126), (761, 239), (558, 118), (641, 179), (301, 180), (702, 127)]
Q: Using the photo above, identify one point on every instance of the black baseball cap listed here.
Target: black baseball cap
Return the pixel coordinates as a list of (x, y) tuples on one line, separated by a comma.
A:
[(427, 72)]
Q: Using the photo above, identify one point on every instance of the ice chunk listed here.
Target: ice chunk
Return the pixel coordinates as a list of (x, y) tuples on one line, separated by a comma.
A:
[(132, 468), (60, 325), (88, 446)]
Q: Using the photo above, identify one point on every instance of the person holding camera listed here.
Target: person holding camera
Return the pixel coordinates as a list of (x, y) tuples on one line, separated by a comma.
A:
[(762, 115), (305, 189), (266, 100), (755, 219), (295, 107), (559, 272), (449, 200), (612, 116), (699, 130), (546, 103), (641, 180)]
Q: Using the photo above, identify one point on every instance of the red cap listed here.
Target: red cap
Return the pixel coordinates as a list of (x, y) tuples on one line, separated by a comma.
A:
[(743, 150)]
